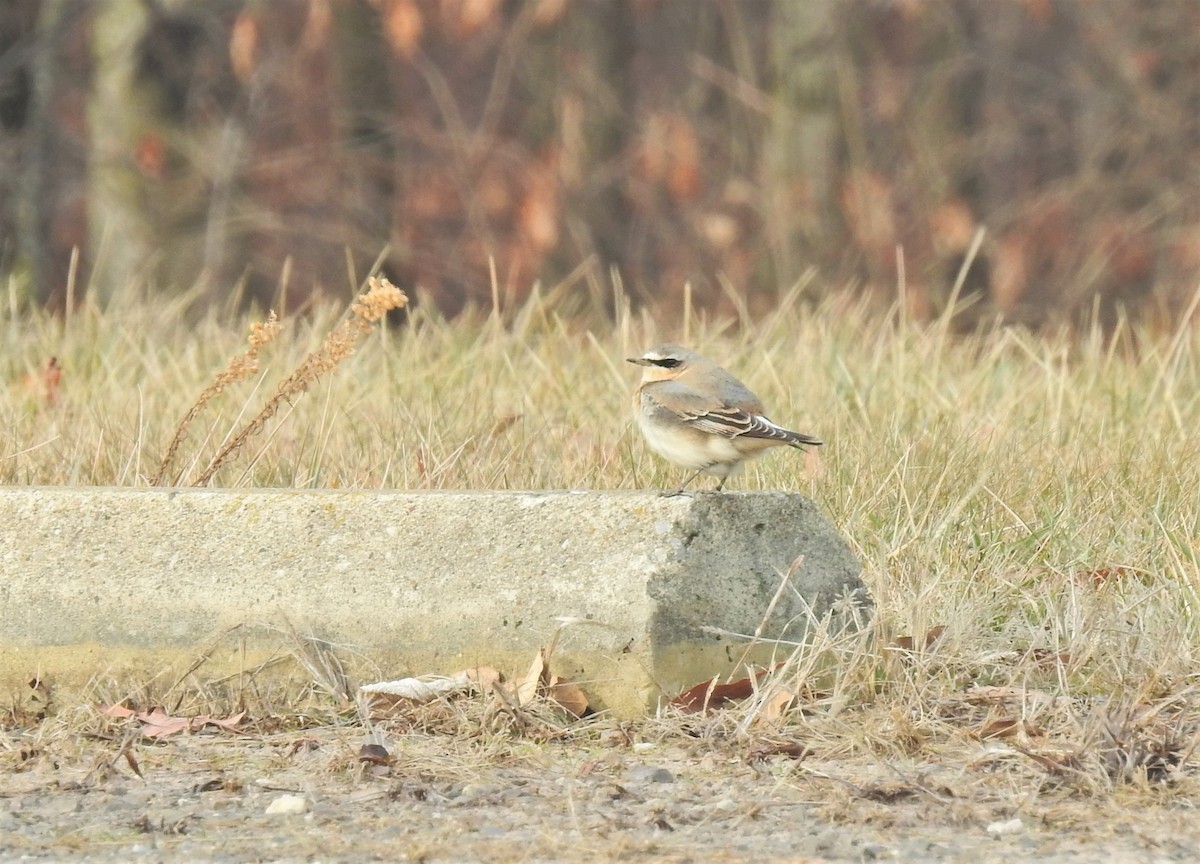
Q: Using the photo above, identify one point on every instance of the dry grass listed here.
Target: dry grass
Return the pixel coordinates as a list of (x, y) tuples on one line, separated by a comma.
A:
[(1030, 500)]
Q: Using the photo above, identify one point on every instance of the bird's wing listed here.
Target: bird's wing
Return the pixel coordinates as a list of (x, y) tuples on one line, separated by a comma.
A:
[(720, 418)]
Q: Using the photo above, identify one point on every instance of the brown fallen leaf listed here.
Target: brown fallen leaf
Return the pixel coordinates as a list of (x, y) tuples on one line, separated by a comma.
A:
[(777, 704), (569, 697), (157, 723), (540, 680), (374, 754), (709, 695), (132, 762), (305, 744), (535, 678), (214, 785), (483, 676), (1057, 762), (1008, 727), (887, 793), (1001, 727), (791, 749)]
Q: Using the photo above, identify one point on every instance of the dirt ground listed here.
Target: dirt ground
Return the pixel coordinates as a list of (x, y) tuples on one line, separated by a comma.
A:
[(316, 795)]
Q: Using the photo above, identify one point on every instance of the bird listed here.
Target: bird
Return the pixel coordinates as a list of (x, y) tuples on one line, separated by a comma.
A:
[(698, 416)]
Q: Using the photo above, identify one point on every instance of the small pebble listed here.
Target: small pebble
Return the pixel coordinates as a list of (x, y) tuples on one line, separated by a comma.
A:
[(649, 774), (288, 805), (1001, 829), (475, 791)]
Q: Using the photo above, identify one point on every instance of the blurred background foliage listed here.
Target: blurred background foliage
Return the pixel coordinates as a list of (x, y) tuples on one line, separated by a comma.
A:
[(274, 150)]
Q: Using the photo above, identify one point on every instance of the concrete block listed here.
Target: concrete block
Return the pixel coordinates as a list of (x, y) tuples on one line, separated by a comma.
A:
[(95, 580)]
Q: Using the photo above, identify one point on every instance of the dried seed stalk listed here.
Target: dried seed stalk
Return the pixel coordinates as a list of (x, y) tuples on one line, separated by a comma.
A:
[(365, 312), (239, 368)]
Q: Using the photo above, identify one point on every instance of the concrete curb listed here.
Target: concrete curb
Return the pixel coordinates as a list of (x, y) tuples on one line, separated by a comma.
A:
[(98, 580)]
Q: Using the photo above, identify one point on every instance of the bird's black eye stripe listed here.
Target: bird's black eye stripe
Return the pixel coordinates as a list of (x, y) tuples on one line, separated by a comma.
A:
[(669, 363)]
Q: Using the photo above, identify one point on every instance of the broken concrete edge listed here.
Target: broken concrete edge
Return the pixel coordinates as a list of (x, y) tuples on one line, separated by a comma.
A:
[(135, 582)]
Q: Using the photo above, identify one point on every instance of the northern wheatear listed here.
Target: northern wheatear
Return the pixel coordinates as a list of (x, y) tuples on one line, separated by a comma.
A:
[(696, 415)]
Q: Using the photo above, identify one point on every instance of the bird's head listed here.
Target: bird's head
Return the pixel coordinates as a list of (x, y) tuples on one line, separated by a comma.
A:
[(665, 362)]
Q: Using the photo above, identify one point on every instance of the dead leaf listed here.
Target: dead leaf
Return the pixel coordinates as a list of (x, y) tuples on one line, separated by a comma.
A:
[(132, 762), (214, 785), (1054, 762), (777, 704), (708, 695), (425, 688), (886, 793), (156, 723), (791, 749), (229, 724), (1008, 727), (159, 724), (569, 697), (483, 676), (541, 680), (528, 686), (374, 754), (305, 745), (1001, 727)]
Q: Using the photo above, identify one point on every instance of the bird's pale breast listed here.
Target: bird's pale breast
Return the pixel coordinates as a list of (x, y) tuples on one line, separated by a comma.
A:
[(673, 439)]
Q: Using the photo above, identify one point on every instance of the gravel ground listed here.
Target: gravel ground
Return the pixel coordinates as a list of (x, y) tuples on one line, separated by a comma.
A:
[(308, 796)]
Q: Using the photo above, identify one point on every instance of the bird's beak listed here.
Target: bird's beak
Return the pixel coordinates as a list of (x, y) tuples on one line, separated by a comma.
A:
[(638, 361)]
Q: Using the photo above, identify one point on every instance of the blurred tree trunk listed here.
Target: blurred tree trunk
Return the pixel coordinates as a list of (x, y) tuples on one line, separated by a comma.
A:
[(58, 149), (800, 150), (292, 135), (18, 36), (593, 67), (1032, 145), (117, 200)]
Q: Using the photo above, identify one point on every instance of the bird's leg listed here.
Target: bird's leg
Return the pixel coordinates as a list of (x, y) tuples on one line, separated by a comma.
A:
[(682, 486)]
